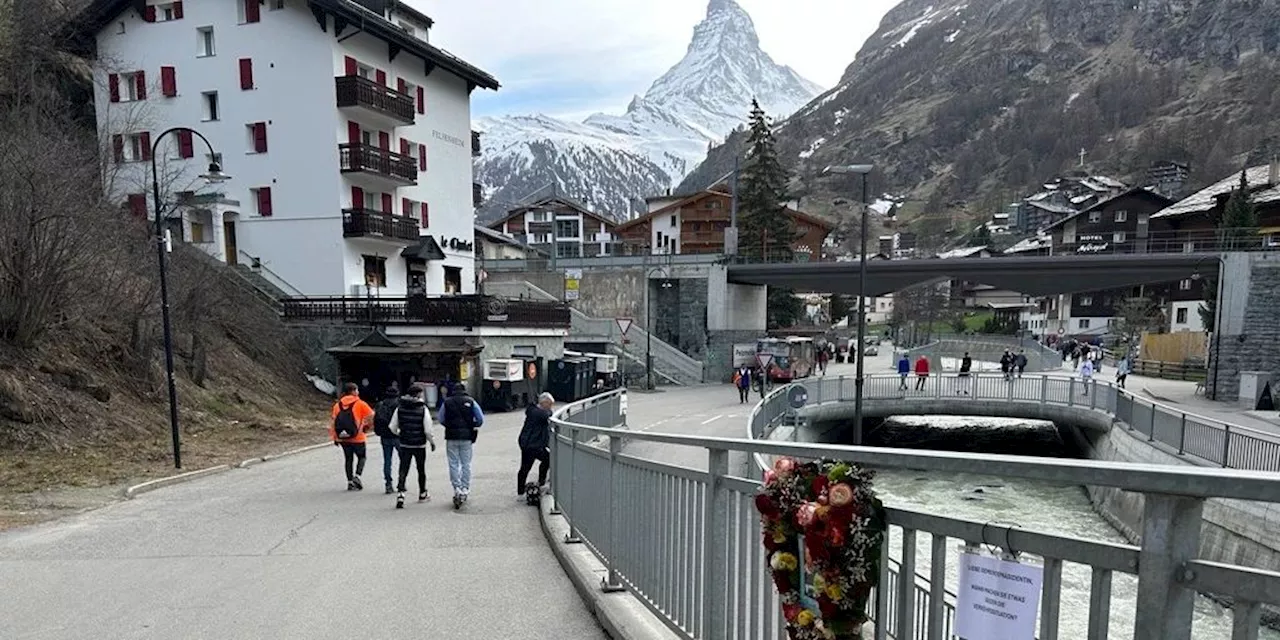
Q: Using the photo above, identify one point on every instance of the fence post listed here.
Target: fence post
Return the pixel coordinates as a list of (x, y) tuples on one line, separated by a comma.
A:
[(715, 558), (1151, 433), (1170, 539), (1226, 445), (1071, 391), (1093, 394), (1044, 389), (610, 583), (555, 464), (572, 537), (1182, 434)]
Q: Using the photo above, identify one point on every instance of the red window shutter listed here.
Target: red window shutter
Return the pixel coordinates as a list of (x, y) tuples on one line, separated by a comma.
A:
[(145, 142), (386, 203), (404, 146), (425, 212), (185, 147), (149, 13), (141, 79), (138, 205), (113, 82), (422, 157), (384, 140), (252, 11), (264, 201), (177, 10), (246, 67), (260, 137), (400, 85), (406, 207), (168, 81), (381, 77), (117, 147), (357, 198), (351, 67), (353, 132), (422, 101)]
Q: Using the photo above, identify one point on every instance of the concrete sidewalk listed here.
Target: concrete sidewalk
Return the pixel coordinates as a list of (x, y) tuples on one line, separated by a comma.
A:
[(282, 550)]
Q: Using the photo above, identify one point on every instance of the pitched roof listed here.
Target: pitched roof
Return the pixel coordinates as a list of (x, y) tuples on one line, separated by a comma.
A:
[(1205, 199), (1138, 191), (99, 13), (799, 215), (543, 202)]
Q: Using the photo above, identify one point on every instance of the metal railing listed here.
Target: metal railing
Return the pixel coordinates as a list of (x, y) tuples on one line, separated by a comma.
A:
[(1039, 357), (366, 158), (355, 91), (439, 311), (1193, 241), (367, 222), (686, 542)]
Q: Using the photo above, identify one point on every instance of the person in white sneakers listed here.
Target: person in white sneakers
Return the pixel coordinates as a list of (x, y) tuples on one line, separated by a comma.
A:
[(411, 423)]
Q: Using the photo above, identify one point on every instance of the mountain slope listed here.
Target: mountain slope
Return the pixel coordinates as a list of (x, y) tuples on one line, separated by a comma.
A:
[(963, 104), (612, 162)]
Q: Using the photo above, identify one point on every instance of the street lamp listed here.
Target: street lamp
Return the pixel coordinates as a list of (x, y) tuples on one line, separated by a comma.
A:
[(648, 333), (213, 176), (862, 170)]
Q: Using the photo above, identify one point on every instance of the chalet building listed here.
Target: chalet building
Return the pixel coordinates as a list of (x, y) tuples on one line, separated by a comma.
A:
[(898, 245), (561, 226), (1120, 224), (696, 224), (1061, 198), (495, 245), (1168, 179), (344, 130), (1192, 220)]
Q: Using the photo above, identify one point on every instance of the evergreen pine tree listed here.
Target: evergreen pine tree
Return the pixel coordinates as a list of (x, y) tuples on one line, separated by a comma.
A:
[(766, 231), (1240, 213)]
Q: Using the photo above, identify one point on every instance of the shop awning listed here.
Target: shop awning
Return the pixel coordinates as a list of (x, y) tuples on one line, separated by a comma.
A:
[(425, 249), (378, 344)]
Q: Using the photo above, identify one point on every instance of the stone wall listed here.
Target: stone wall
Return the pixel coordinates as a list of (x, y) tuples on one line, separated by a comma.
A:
[(316, 339), (717, 362), (1250, 319)]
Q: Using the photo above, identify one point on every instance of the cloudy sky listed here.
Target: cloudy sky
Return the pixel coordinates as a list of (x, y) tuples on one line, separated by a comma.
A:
[(571, 58)]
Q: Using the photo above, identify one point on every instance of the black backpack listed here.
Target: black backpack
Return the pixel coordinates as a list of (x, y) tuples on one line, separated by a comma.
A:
[(382, 417), (345, 423)]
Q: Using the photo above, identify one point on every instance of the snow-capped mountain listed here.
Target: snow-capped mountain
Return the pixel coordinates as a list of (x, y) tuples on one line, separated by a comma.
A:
[(612, 162)]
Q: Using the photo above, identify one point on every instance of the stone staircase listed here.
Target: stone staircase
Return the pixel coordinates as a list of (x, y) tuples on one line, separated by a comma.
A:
[(669, 363), (260, 287)]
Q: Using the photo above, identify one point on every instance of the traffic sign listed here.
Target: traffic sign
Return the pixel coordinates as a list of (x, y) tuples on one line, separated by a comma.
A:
[(624, 324), (764, 360), (797, 396)]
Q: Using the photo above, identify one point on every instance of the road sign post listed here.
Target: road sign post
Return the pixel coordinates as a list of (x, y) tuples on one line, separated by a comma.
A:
[(764, 360)]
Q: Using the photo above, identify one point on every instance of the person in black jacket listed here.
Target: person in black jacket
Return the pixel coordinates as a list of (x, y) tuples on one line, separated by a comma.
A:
[(411, 423), (381, 426), (462, 418), (535, 442)]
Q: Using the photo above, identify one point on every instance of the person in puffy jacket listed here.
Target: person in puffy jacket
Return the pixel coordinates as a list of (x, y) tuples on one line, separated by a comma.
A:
[(922, 372), (462, 418), (904, 369), (411, 425), (535, 442)]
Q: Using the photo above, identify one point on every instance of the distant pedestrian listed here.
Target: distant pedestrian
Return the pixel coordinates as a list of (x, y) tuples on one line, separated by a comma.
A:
[(535, 444), (382, 428), (904, 370), (922, 372), (1086, 374), (1006, 365), (742, 380), (823, 356), (462, 418), (1020, 361), (966, 367), (1122, 371), (351, 417), (411, 424)]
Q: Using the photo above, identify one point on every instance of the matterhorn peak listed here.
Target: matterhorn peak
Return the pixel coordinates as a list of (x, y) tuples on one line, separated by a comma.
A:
[(727, 27)]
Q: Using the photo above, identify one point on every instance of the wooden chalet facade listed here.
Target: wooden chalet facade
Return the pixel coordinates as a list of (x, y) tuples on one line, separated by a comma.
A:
[(560, 226)]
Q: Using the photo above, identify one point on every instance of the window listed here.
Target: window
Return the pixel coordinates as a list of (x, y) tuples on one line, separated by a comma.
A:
[(1095, 216), (673, 221), (262, 196), (375, 271), (1083, 323), (197, 233), (453, 279), (1119, 236), (210, 100), (250, 12), (1122, 216), (566, 228), (568, 250), (171, 11), (127, 87), (246, 70), (133, 147), (1181, 316), (424, 211), (256, 137), (120, 28), (169, 82), (1086, 301), (204, 42), (539, 216)]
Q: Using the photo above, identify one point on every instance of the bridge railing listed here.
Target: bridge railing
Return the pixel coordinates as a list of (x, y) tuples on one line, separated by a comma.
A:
[(686, 542)]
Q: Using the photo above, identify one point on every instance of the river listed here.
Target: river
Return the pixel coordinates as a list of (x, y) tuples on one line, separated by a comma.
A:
[(1033, 506)]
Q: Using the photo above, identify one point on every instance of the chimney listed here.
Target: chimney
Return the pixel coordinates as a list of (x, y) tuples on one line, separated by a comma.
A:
[(1273, 176)]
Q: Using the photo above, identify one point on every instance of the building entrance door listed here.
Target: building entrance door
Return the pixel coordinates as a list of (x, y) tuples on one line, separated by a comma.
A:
[(229, 238)]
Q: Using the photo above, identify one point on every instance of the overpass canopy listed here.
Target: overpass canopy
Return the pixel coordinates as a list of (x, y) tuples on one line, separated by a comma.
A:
[(1033, 276)]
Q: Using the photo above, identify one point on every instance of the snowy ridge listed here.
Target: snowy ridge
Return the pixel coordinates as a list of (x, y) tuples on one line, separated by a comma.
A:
[(611, 162)]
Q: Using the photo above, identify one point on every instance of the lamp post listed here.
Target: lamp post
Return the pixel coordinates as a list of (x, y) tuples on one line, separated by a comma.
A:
[(213, 176), (648, 333), (859, 380)]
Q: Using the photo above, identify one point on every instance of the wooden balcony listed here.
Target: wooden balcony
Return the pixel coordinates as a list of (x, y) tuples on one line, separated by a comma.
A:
[(475, 144), (383, 103), (388, 166), (428, 311), (367, 223)]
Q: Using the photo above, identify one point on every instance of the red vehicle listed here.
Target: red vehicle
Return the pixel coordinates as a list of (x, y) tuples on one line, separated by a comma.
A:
[(793, 357)]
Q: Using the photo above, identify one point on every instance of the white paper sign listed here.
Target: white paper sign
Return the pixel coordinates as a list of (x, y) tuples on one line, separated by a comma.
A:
[(998, 598)]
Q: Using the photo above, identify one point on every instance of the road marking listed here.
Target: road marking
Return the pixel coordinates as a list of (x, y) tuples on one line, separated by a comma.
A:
[(713, 419)]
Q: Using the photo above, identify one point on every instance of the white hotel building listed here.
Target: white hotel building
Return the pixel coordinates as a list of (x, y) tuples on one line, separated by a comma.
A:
[(346, 134)]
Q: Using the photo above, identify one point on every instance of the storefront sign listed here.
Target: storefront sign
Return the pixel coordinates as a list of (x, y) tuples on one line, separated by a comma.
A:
[(458, 244), (997, 599), (444, 137), (572, 277)]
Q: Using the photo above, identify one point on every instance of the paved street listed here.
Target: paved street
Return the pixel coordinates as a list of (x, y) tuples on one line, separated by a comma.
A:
[(282, 551)]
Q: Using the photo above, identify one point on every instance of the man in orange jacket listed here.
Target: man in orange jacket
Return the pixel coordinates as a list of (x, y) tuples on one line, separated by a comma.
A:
[(350, 419)]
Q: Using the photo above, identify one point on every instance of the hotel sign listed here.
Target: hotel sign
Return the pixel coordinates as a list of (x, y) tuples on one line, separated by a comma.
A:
[(458, 244)]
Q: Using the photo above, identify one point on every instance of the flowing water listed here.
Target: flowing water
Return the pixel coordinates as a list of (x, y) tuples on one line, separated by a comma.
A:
[(1032, 506)]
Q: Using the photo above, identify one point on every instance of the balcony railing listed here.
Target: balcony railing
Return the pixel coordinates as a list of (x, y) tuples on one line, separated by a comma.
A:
[(357, 223), (366, 158), (354, 91), (475, 144), (1197, 241), (438, 311)]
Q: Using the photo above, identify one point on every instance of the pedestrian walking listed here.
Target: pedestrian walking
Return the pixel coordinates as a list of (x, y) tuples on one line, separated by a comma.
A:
[(535, 445), (411, 424), (1020, 361), (904, 370), (922, 372), (742, 380), (823, 356), (350, 419), (1006, 365), (462, 418), (382, 428), (1122, 371), (1086, 374), (966, 367)]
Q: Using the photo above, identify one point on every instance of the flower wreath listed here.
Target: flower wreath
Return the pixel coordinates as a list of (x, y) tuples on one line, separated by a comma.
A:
[(824, 531)]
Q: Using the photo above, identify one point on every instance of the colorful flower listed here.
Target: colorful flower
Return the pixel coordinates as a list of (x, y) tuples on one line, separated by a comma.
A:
[(804, 618), (784, 562), (834, 591), (841, 495), (819, 485), (806, 514), (791, 611), (784, 466), (766, 506), (770, 477)]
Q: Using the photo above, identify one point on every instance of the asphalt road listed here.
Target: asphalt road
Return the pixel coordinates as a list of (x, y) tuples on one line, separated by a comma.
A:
[(283, 551)]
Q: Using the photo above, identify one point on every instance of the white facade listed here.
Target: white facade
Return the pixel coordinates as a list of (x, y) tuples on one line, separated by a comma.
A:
[(664, 233), (294, 64), (1185, 316)]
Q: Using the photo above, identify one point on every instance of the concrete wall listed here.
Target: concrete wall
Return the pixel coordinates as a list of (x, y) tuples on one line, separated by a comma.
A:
[(736, 313), (1250, 329)]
